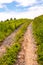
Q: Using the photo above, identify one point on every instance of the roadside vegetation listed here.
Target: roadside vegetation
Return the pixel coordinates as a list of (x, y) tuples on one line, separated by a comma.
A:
[(8, 26), (10, 56), (38, 34)]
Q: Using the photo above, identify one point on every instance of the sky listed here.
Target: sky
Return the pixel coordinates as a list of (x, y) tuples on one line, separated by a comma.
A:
[(20, 9)]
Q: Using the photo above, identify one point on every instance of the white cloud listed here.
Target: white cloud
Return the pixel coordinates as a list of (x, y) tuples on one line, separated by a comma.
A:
[(6, 1), (26, 2), (35, 8), (22, 2), (1, 6), (31, 13)]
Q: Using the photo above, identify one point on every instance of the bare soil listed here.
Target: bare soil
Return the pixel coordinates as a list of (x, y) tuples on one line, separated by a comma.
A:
[(27, 55), (8, 42)]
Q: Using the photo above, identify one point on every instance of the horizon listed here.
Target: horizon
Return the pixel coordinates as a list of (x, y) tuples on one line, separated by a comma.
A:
[(20, 18), (20, 9)]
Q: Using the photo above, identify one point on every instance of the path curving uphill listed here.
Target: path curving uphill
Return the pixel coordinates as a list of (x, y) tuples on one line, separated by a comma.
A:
[(27, 55), (30, 47)]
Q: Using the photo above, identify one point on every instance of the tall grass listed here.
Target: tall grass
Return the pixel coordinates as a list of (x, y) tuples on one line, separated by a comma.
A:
[(11, 55), (8, 26), (38, 34)]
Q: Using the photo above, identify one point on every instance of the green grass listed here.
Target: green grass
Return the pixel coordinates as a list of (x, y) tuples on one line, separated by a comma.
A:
[(21, 31), (10, 56), (8, 26), (38, 34)]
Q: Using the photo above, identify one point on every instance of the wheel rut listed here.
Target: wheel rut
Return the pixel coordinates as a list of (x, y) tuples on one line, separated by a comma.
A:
[(8, 41), (27, 55)]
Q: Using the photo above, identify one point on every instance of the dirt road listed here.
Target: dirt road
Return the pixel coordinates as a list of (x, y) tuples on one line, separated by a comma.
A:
[(8, 41), (27, 55), (30, 48)]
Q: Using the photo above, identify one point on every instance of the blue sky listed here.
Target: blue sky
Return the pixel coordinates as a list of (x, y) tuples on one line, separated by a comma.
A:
[(20, 8)]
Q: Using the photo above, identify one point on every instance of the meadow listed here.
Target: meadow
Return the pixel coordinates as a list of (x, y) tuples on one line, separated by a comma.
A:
[(8, 26), (9, 58), (38, 34)]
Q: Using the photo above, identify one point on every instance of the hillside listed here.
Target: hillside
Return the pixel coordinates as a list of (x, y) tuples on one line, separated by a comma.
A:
[(38, 34), (21, 41)]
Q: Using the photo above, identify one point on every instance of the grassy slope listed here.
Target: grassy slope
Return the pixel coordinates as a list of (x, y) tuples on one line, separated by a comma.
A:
[(38, 33), (8, 26), (10, 57)]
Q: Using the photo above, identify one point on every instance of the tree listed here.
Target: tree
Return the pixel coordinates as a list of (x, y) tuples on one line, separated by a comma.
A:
[(14, 18), (7, 20), (11, 19), (1, 21)]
